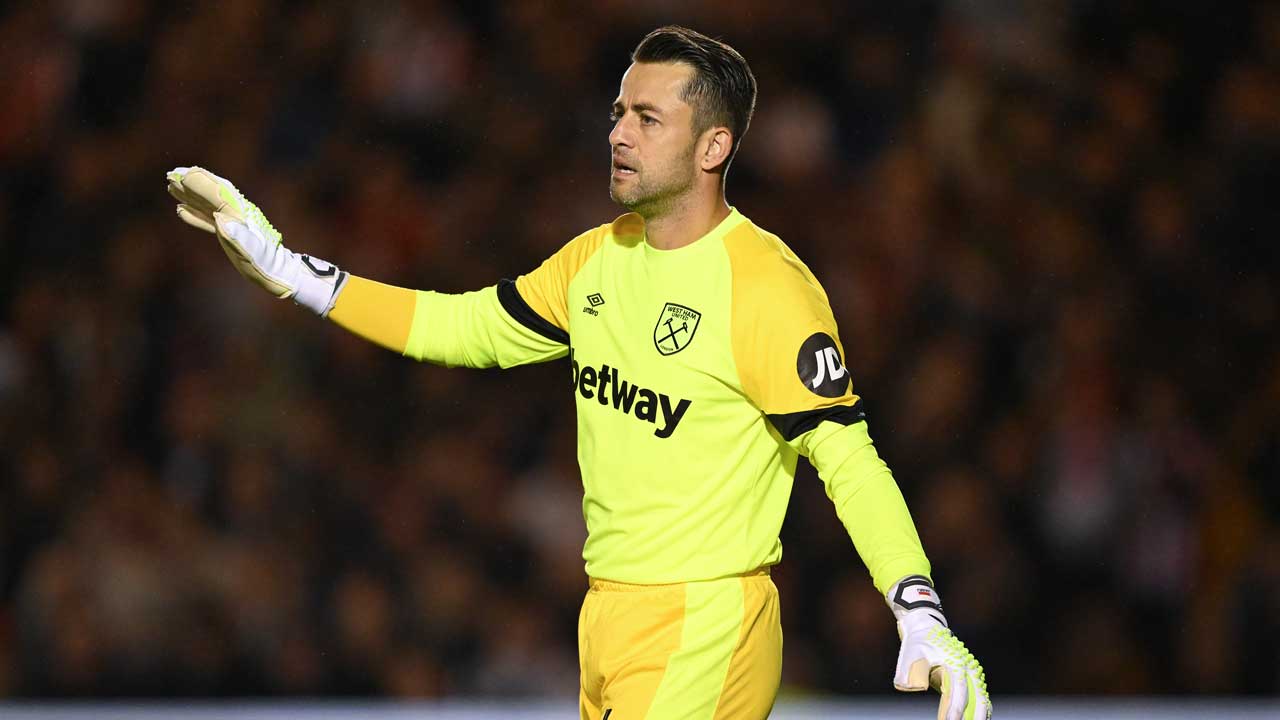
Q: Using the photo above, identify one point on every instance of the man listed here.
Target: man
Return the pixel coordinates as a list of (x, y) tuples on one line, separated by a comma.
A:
[(705, 360)]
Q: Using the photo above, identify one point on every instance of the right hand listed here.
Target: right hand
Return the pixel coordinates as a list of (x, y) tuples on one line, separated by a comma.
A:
[(255, 248)]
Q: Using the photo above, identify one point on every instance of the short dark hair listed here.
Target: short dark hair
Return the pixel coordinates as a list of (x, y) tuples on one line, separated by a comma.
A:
[(722, 90)]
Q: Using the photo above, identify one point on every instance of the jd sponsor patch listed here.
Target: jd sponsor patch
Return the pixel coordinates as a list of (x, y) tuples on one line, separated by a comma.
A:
[(820, 368)]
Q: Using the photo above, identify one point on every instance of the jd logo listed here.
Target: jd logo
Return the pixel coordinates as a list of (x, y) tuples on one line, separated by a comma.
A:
[(675, 328), (819, 366)]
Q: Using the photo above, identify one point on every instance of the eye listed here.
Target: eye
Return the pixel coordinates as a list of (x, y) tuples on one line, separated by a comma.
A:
[(613, 117), (648, 120)]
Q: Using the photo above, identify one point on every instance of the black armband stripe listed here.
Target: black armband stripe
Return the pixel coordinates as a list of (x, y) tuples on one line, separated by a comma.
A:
[(793, 425), (517, 308)]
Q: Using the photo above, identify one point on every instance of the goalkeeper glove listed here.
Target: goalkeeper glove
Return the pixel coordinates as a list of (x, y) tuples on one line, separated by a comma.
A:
[(255, 248), (932, 657)]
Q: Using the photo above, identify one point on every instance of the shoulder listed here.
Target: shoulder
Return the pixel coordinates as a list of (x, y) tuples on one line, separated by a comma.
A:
[(574, 254), (542, 291), (785, 343), (766, 272)]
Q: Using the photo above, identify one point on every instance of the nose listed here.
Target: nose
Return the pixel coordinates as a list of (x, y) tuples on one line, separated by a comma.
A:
[(621, 135)]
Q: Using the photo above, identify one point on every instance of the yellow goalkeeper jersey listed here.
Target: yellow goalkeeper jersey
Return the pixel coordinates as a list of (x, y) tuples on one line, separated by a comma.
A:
[(700, 375)]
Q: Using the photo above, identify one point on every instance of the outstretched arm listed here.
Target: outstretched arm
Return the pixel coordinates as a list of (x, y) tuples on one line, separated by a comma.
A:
[(476, 329)]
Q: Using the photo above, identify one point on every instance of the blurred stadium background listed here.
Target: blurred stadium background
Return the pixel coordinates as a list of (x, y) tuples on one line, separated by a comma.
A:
[(1048, 231)]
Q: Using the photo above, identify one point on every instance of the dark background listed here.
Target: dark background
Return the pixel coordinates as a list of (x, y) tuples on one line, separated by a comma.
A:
[(1047, 230)]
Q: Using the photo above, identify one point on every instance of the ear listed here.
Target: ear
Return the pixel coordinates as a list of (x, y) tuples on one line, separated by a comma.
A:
[(717, 144)]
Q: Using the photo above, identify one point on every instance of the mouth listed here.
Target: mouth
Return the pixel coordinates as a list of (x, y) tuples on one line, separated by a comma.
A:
[(621, 169)]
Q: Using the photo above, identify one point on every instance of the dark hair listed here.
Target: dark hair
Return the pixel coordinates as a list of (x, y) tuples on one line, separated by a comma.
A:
[(722, 90)]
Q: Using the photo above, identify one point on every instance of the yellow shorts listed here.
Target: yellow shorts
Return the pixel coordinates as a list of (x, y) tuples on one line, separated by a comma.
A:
[(687, 651)]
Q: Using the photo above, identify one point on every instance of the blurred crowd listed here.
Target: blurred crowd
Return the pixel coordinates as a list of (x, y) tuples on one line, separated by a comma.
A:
[(1048, 232)]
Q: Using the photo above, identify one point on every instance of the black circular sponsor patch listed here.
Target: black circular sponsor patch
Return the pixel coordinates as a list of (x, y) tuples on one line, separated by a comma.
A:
[(820, 367)]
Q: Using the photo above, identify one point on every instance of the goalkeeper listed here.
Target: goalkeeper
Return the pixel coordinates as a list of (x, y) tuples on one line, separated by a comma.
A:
[(704, 361)]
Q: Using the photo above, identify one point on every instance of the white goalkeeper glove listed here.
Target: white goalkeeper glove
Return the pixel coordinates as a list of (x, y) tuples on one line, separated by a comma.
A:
[(255, 248), (931, 657)]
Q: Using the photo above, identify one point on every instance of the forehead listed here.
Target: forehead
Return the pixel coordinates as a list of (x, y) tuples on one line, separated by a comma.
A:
[(658, 84)]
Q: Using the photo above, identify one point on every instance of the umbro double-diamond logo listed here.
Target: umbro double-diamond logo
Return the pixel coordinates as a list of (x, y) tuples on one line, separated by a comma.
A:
[(595, 300)]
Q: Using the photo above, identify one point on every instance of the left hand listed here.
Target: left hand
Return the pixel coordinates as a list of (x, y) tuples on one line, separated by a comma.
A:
[(932, 657)]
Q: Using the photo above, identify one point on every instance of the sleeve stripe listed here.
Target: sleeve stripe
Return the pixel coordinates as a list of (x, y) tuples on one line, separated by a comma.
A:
[(793, 425), (519, 310)]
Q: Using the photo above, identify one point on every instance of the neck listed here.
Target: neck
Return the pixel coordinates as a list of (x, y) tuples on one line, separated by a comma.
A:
[(685, 223)]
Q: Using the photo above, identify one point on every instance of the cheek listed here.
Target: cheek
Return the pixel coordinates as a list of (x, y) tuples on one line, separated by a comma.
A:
[(672, 155), (677, 164)]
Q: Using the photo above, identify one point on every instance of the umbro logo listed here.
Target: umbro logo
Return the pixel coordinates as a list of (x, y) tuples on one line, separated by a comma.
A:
[(595, 300)]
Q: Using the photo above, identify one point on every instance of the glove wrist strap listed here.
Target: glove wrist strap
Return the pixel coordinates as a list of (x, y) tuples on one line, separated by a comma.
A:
[(319, 284), (914, 594)]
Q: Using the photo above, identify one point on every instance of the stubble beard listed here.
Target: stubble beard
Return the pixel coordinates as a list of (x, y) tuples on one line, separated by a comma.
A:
[(629, 197), (654, 199)]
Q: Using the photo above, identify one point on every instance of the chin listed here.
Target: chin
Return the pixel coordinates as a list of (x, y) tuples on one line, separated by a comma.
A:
[(624, 199)]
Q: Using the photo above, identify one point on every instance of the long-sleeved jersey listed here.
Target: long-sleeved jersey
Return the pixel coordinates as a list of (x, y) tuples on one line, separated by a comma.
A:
[(700, 375)]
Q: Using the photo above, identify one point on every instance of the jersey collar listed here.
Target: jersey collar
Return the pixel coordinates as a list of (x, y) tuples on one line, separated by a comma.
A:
[(711, 239)]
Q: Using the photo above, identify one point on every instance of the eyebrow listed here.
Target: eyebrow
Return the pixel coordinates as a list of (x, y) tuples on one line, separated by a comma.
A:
[(639, 107)]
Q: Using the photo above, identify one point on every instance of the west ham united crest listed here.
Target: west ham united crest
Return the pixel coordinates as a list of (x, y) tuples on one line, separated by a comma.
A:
[(675, 328)]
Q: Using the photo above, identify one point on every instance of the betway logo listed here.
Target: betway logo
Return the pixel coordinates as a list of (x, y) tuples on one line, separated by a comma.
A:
[(606, 386)]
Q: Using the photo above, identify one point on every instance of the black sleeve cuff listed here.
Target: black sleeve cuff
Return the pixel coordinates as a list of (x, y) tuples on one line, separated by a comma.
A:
[(793, 425), (518, 309)]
